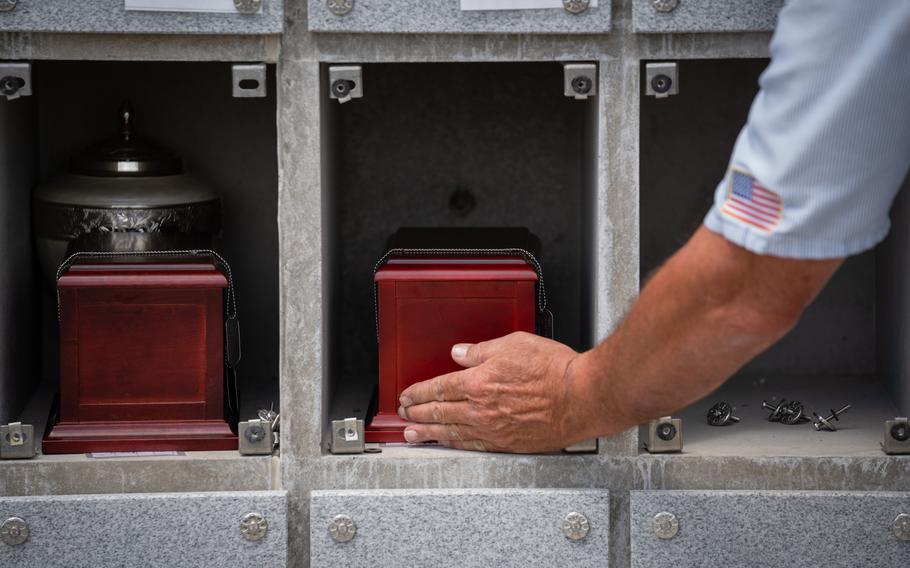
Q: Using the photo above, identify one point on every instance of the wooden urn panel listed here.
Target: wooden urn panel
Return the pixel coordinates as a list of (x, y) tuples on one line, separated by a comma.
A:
[(141, 358)]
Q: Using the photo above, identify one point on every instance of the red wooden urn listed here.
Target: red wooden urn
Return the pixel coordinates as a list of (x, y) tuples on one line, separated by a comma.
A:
[(430, 298), (141, 357)]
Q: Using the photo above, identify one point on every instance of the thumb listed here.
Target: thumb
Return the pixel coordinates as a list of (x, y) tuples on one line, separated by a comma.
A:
[(471, 354)]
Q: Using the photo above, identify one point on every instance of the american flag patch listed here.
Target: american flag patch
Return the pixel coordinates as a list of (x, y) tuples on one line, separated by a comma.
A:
[(750, 202)]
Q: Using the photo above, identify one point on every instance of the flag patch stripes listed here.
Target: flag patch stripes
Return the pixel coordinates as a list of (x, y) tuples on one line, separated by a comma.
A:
[(751, 203)]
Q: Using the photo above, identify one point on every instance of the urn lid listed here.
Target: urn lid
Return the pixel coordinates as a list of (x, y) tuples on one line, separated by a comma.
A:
[(126, 155)]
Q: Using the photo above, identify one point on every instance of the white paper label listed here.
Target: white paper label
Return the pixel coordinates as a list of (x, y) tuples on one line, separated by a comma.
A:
[(213, 6), (132, 454), (471, 5)]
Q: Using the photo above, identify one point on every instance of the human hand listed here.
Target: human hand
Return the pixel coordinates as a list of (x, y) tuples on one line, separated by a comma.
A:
[(517, 394)]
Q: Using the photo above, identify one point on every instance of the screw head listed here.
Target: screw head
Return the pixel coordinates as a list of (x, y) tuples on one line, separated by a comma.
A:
[(7, 5), (247, 6), (342, 528), (661, 83), (255, 434), (575, 6), (901, 431), (666, 431), (340, 7), (901, 526), (253, 526), (575, 526), (582, 85), (665, 5), (13, 531), (665, 525)]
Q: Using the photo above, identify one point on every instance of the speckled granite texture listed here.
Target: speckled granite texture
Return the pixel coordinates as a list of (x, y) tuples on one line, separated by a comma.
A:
[(707, 16), (770, 528), (459, 527), (163, 529), (108, 16), (445, 16)]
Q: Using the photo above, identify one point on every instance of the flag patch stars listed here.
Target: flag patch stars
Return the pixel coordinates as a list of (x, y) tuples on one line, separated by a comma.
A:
[(751, 203)]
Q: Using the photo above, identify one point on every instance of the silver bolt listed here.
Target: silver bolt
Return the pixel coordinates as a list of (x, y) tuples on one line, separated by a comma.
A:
[(575, 526), (340, 7), (575, 6), (7, 5), (665, 5), (901, 526), (253, 526), (826, 423), (247, 6), (14, 531), (665, 525), (342, 528)]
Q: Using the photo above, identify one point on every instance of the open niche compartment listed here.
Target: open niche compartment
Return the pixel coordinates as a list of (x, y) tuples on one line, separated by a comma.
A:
[(446, 145), (850, 346), (228, 144)]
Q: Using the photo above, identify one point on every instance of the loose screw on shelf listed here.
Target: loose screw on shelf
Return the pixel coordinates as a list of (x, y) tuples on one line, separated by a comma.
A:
[(777, 409), (794, 413), (721, 414), (825, 423)]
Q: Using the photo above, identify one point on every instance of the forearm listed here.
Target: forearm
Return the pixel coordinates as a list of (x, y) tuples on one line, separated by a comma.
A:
[(709, 310)]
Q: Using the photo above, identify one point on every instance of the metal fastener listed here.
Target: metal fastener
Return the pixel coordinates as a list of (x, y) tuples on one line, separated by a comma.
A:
[(340, 7), (665, 525), (901, 526), (575, 526), (248, 6), (721, 414), (826, 423), (665, 5), (7, 5), (13, 531), (342, 528), (253, 526), (576, 6)]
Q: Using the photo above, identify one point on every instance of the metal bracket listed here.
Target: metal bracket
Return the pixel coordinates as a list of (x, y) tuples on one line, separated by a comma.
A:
[(345, 82), (17, 441), (897, 436), (248, 80), (579, 80), (15, 80), (257, 437), (661, 79), (664, 436), (347, 436)]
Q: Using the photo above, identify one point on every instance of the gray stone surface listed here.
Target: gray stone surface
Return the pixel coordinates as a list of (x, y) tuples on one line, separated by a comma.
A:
[(445, 16), (192, 471), (753, 528), (109, 16), (707, 16), (164, 529), (459, 528)]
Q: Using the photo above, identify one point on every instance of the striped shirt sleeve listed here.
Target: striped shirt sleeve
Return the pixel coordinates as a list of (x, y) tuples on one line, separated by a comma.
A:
[(827, 143)]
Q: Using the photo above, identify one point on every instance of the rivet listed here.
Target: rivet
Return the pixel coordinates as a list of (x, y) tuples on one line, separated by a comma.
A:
[(901, 526), (665, 525), (340, 7), (576, 6), (665, 5), (342, 528), (13, 531), (575, 526), (253, 526)]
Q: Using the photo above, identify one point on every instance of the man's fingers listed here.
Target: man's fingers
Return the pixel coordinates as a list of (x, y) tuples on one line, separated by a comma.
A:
[(439, 433), (458, 412), (442, 388), (473, 354)]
